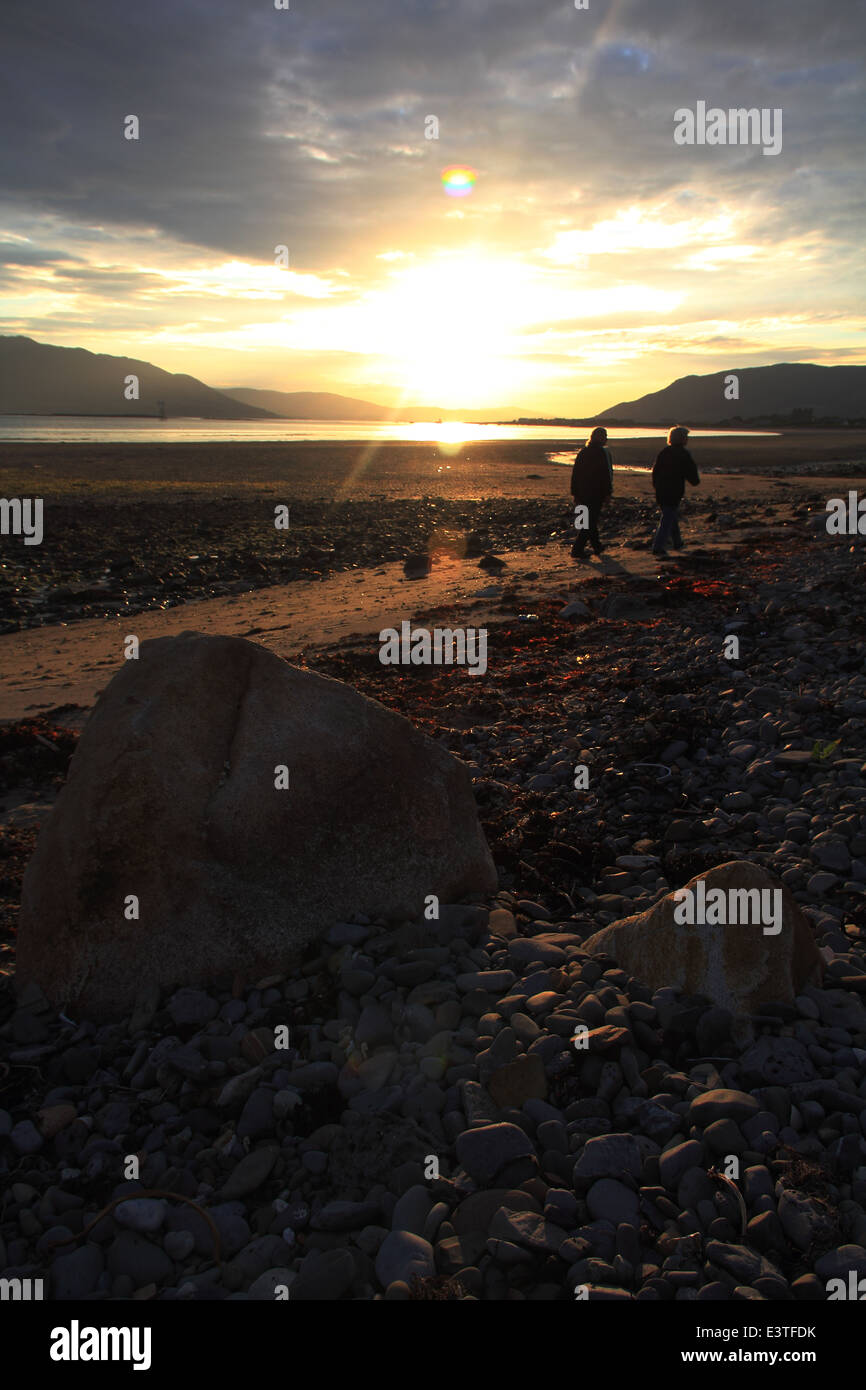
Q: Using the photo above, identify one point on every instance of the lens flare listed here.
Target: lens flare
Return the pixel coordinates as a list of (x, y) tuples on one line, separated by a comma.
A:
[(458, 180)]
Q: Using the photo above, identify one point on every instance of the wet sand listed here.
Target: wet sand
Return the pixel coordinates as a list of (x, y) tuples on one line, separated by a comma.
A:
[(367, 470), (155, 540), (69, 664)]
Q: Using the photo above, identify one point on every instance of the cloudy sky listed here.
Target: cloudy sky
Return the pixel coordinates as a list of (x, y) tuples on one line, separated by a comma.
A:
[(594, 259)]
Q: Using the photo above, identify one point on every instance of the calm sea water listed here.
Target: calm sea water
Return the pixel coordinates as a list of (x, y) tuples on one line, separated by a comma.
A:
[(48, 429)]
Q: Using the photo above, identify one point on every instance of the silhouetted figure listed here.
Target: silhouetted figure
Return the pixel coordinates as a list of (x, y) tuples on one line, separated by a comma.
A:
[(674, 467), (591, 485)]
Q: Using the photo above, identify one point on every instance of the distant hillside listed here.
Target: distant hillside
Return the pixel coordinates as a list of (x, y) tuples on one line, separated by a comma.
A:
[(325, 405), (837, 392), (311, 405), (38, 379)]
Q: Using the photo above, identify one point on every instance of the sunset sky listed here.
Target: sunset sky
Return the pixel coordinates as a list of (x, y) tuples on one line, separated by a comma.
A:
[(594, 259)]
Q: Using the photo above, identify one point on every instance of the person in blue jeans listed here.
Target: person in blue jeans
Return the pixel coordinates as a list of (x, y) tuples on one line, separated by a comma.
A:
[(674, 467)]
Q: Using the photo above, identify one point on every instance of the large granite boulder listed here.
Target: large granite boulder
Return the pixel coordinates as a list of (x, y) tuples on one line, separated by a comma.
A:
[(172, 797), (739, 965)]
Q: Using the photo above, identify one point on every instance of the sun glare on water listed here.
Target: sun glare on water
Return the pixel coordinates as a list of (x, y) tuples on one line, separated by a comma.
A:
[(450, 434)]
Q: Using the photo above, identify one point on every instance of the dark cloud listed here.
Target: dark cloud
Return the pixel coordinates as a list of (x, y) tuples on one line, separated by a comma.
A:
[(17, 253), (235, 99)]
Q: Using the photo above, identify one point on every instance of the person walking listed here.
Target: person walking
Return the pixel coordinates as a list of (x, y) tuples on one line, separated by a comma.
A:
[(674, 467), (591, 486)]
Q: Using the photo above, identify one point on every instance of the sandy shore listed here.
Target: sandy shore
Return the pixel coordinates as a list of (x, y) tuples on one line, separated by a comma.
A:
[(154, 540), (345, 471), (68, 664)]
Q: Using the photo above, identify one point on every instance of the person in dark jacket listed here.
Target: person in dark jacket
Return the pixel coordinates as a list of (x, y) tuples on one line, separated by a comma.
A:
[(591, 485), (674, 467)]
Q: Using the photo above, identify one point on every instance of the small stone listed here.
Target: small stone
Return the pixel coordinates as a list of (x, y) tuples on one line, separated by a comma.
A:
[(796, 758), (609, 1200), (402, 1255), (114, 1119), (675, 1162), (324, 1274), (528, 1230), (256, 1118), (274, 1285), (412, 1210), (478, 1105), (803, 1220), (192, 1008), (724, 1137), (144, 1214), (493, 981), (764, 1231), (519, 1081), (485, 1151), (606, 1039), (261, 1253), (777, 1062), (314, 1076), (681, 831), (143, 1262), (25, 1138), (250, 1173), (178, 1245), (722, 1104), (576, 608), (53, 1118), (315, 1161), (76, 1275), (502, 923), (837, 1264), (737, 1260), (831, 852), (257, 1045), (821, 883), (608, 1156), (374, 1027), (375, 1071), (238, 1088), (285, 1104), (341, 1215)]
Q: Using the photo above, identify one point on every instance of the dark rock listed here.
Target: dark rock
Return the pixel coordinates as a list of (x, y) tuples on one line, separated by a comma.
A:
[(138, 1258), (486, 1150)]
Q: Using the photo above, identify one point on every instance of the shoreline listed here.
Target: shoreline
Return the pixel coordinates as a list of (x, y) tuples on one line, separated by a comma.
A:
[(117, 543), (50, 664), (403, 465)]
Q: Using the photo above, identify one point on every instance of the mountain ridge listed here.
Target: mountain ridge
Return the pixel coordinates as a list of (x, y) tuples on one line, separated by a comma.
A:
[(43, 379), (784, 388), (300, 405)]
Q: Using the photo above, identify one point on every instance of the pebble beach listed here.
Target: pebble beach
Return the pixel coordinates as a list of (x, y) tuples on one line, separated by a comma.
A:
[(428, 1129)]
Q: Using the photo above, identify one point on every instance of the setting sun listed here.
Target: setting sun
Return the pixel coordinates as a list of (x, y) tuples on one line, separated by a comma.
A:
[(448, 325)]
